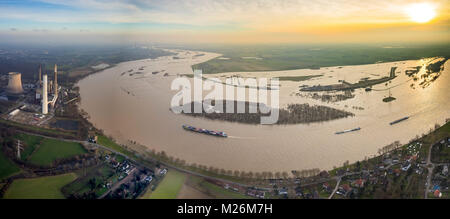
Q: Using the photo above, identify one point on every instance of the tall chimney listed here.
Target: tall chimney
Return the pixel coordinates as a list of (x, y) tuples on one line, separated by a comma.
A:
[(40, 74), (44, 96), (55, 82)]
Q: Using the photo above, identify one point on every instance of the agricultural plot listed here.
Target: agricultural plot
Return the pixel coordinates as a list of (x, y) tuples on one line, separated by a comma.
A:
[(169, 187), (92, 183), (7, 167), (48, 187), (30, 143), (51, 150)]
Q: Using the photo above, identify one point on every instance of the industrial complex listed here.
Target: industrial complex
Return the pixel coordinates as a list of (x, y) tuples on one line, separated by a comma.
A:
[(35, 101)]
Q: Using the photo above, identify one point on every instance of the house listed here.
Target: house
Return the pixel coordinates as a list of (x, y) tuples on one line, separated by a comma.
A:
[(148, 179), (406, 168), (326, 186), (283, 191), (437, 194), (346, 188), (445, 170), (359, 183), (163, 171)]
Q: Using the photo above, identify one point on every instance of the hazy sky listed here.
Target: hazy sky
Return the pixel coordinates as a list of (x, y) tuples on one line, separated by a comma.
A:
[(224, 21)]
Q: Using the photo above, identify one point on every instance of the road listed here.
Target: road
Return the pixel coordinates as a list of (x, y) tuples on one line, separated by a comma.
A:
[(335, 188), (430, 167)]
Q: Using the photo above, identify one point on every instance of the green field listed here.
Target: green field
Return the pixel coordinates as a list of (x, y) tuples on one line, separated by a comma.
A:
[(291, 56), (91, 180), (48, 187), (214, 190), (7, 167), (169, 187), (105, 141), (51, 150), (30, 143)]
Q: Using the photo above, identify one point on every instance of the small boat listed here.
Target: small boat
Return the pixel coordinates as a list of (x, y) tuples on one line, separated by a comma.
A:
[(205, 131), (347, 131), (399, 120)]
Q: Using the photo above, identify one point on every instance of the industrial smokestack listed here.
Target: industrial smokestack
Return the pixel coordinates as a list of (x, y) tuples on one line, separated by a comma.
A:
[(44, 96), (40, 74), (55, 85), (14, 83)]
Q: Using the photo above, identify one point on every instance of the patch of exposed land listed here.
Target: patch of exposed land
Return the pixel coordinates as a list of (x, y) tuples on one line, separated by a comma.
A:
[(298, 78), (363, 83), (292, 114)]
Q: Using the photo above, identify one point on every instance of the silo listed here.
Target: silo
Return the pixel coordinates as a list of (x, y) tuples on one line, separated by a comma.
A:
[(14, 83)]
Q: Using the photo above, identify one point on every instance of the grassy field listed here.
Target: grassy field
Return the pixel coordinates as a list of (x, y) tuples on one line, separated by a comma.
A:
[(169, 187), (213, 190), (30, 143), (288, 57), (98, 174), (105, 141), (48, 187), (7, 167), (51, 150)]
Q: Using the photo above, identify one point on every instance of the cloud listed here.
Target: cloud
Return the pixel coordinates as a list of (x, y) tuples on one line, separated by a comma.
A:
[(214, 12), (40, 30), (13, 29)]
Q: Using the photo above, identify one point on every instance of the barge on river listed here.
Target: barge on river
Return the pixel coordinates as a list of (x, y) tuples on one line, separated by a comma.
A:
[(205, 131)]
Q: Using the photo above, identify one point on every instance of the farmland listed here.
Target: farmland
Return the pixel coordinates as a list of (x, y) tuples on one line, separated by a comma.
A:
[(169, 186), (51, 150), (7, 167), (48, 187)]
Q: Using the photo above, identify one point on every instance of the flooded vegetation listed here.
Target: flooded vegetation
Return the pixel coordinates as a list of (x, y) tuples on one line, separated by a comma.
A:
[(292, 114)]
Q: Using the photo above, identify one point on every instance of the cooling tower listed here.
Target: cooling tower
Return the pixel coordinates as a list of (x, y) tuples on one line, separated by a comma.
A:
[(14, 83), (44, 95)]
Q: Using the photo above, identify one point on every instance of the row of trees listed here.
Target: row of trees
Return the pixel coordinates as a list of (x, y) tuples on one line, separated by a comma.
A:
[(236, 173), (293, 114)]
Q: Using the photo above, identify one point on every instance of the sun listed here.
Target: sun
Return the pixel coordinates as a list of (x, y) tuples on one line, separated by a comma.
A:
[(421, 12)]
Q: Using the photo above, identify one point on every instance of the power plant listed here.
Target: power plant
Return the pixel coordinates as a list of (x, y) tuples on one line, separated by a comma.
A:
[(44, 95), (14, 83)]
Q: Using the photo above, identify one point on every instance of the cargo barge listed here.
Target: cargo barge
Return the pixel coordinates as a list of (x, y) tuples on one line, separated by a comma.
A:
[(399, 120), (205, 131), (347, 131)]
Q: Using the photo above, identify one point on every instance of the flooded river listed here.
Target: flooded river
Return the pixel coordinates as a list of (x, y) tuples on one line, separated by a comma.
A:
[(134, 105)]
